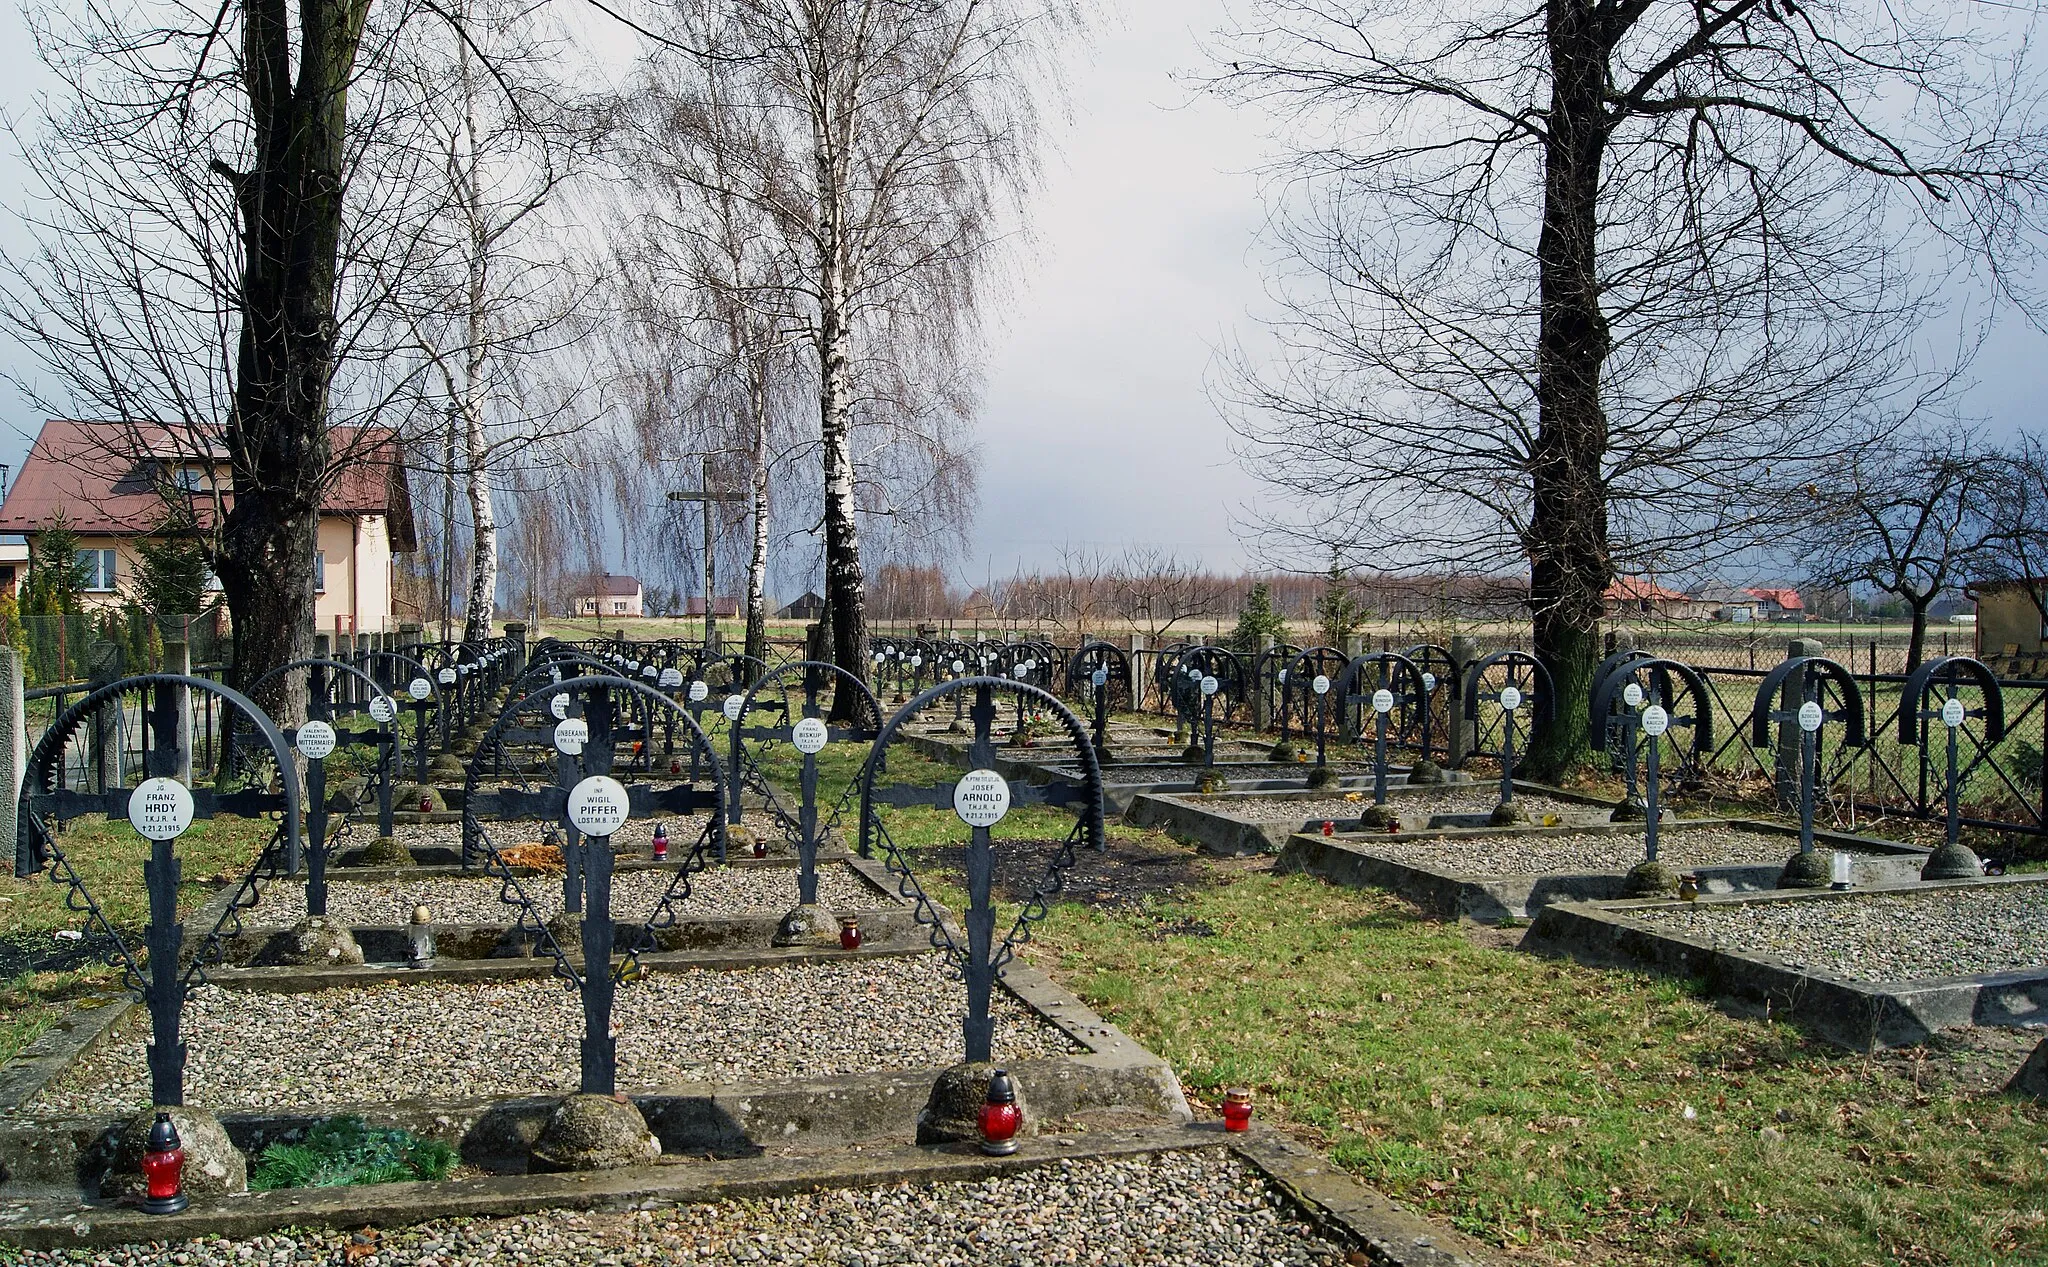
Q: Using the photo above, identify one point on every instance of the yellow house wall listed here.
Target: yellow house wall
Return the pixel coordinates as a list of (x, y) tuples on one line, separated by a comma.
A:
[(359, 574), (2007, 617)]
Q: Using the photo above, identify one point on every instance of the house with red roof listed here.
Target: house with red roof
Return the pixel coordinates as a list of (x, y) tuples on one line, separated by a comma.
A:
[(117, 485), (1638, 596), (1778, 604)]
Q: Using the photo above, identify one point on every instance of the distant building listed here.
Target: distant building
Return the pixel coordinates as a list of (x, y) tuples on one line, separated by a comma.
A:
[(721, 608), (1778, 604), (1636, 596), (810, 607), (2009, 621), (1724, 602), (613, 596), (109, 482), (13, 565)]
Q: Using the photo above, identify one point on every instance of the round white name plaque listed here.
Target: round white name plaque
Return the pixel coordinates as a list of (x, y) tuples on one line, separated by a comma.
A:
[(383, 710), (1099, 678), (671, 677), (1383, 701), (570, 736), (699, 691), (1632, 695), (559, 706), (419, 688), (1810, 716), (1952, 713), (316, 740), (1510, 698), (917, 661), (649, 672), (1428, 683), (1321, 684), (1209, 684), (447, 677), (161, 809), (1655, 720), (959, 667), (808, 735), (597, 805), (981, 798), (734, 705)]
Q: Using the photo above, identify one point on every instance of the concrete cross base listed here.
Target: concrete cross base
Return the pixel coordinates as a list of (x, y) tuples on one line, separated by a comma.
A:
[(1650, 879), (1807, 869), (1952, 862), (810, 924), (213, 1165), (594, 1132), (953, 1113)]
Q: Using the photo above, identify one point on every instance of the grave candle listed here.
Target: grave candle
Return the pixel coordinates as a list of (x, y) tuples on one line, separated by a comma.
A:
[(1237, 1109), (999, 1117), (163, 1168)]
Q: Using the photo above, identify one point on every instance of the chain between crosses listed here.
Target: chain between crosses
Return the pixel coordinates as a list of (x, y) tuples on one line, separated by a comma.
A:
[(1655, 720), (1808, 676), (1527, 683), (982, 961), (1950, 672), (808, 735), (1385, 698), (593, 756)]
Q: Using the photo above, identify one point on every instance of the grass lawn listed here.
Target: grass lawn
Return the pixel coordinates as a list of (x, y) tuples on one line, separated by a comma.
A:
[(1566, 1114)]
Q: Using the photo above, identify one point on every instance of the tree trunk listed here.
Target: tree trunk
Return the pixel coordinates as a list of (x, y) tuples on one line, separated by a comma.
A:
[(1916, 645), (1569, 567), (483, 567), (757, 561), (290, 202), (483, 560), (845, 585)]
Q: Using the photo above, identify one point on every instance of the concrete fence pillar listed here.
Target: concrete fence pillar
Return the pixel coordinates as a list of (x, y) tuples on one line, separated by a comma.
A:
[(1462, 736), (178, 660), (13, 752), (1786, 772), (1347, 716), (1140, 679)]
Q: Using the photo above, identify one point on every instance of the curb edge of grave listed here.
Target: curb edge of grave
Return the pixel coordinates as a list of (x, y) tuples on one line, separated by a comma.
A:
[(1386, 1231), (1861, 1016), (1348, 861)]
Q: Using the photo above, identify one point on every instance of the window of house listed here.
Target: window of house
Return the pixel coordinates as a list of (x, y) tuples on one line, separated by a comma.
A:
[(619, 607), (192, 479), (97, 567), (319, 571)]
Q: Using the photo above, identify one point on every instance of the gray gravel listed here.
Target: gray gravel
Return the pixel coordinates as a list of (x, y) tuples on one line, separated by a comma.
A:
[(1194, 1209), (457, 900), (440, 1041), (1179, 772), (636, 837), (1414, 808), (1903, 936), (1578, 851)]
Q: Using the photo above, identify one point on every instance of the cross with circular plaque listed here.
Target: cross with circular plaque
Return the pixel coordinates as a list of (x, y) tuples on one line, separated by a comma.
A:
[(981, 798), (160, 809)]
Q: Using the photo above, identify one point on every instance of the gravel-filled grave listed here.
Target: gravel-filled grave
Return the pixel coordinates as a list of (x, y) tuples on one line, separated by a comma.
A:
[(1181, 772), (1562, 850), (1202, 1208), (634, 839), (475, 900), (1902, 936), (1414, 808), (439, 1041)]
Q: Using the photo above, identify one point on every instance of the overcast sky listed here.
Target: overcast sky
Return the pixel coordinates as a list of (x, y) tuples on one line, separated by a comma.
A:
[(1096, 431)]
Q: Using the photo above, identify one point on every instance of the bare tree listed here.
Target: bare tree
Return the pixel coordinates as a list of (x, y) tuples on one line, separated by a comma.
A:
[(886, 139), (1574, 284), (1908, 516), (1155, 590), (492, 295)]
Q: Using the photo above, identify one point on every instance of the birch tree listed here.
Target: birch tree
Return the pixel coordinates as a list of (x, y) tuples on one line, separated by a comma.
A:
[(888, 140)]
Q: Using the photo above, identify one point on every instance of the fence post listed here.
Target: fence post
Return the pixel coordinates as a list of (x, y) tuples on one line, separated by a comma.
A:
[(178, 660), (1461, 738), (1790, 696), (13, 752), (1262, 699), (106, 719), (1138, 678)]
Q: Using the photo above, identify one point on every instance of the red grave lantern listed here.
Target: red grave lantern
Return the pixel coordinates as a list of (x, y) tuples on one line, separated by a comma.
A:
[(1000, 1117), (1237, 1109), (163, 1168)]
